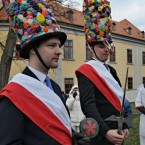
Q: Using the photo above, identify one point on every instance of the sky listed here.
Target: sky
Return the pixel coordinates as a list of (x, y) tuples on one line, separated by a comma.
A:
[(132, 10)]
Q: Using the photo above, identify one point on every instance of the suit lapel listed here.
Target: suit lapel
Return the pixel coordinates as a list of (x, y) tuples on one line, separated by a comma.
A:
[(57, 91)]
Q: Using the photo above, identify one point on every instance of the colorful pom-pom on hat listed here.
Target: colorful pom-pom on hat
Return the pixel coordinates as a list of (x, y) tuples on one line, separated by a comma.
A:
[(32, 20), (97, 20)]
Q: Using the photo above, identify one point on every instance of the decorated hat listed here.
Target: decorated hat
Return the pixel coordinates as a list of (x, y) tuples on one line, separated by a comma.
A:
[(97, 20), (32, 20)]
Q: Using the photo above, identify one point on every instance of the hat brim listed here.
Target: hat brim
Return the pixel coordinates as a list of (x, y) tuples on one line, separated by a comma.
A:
[(98, 42), (24, 53)]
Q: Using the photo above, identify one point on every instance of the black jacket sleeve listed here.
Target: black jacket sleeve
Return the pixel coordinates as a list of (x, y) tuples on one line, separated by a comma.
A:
[(142, 110), (88, 105), (11, 123)]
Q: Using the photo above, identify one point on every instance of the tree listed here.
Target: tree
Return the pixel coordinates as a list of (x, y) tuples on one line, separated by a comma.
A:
[(6, 58), (58, 7)]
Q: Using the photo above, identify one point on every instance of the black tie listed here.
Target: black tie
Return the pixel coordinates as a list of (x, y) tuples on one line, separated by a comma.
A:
[(106, 65)]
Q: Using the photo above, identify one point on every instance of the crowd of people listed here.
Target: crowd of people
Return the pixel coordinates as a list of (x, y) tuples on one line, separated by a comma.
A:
[(34, 110)]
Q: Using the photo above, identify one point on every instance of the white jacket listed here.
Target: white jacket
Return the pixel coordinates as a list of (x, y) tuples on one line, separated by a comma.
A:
[(74, 107), (140, 102)]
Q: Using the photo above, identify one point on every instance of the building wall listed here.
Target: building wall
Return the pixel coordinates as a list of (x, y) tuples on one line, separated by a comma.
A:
[(69, 67), (121, 61), (136, 69), (0, 3), (17, 67), (3, 36)]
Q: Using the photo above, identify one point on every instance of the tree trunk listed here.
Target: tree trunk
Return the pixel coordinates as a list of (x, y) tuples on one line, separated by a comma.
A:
[(6, 59)]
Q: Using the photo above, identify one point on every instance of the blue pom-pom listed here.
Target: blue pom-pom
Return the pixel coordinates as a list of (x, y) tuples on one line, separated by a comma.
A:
[(94, 35)]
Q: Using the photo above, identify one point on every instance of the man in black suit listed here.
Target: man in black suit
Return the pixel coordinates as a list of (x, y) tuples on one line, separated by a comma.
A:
[(100, 95), (100, 88), (21, 127), (32, 109)]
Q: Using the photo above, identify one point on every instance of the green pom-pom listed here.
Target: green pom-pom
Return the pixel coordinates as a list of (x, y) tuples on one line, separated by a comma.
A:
[(43, 23), (12, 12), (29, 1), (21, 26), (24, 7), (93, 29)]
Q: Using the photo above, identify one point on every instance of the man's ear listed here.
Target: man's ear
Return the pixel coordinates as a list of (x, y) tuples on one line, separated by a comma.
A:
[(32, 52)]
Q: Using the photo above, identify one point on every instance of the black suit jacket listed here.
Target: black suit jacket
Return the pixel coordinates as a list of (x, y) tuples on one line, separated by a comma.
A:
[(17, 129), (94, 104)]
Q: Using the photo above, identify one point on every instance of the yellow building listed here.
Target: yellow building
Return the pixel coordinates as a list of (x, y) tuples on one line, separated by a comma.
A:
[(0, 4), (129, 44)]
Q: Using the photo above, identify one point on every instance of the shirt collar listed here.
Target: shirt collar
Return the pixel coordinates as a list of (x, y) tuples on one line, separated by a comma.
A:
[(99, 60), (38, 74)]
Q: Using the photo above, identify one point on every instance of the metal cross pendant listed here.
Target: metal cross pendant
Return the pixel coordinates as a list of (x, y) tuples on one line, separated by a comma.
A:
[(128, 120)]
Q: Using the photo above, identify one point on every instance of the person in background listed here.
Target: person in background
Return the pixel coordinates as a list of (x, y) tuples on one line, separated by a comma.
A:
[(127, 111), (127, 108), (64, 95), (140, 105), (73, 104)]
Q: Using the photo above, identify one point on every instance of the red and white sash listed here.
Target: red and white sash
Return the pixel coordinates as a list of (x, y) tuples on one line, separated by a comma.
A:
[(104, 81), (41, 105)]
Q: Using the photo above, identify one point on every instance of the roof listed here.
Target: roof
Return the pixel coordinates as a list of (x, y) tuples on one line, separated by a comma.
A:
[(121, 26), (61, 12)]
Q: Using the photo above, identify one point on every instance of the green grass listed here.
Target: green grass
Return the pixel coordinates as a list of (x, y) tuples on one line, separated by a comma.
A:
[(133, 138)]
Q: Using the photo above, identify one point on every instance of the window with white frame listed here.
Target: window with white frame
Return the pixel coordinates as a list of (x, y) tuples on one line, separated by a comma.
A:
[(143, 57), (129, 55), (88, 53), (113, 55), (143, 80), (16, 52), (130, 83), (68, 49), (68, 82), (69, 14), (114, 26)]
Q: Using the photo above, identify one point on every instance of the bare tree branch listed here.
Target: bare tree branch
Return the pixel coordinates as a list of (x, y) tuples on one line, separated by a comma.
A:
[(2, 46)]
